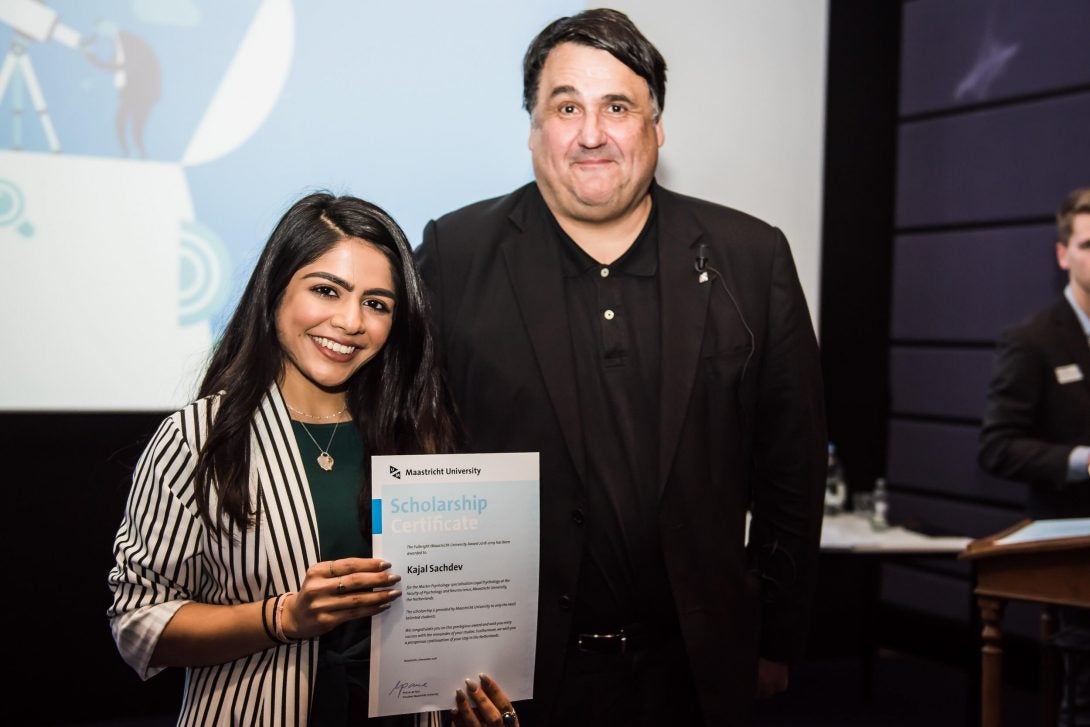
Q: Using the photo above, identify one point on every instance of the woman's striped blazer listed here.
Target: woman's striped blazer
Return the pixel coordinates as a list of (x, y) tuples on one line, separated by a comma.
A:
[(166, 557)]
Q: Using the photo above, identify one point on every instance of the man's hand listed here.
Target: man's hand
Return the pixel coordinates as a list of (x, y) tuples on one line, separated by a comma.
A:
[(771, 678)]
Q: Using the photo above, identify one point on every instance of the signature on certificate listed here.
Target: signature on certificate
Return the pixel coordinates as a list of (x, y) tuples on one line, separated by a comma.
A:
[(402, 687)]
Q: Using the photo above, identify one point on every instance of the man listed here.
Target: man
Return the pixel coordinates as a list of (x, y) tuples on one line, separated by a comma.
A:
[(137, 78), (657, 351), (1037, 422)]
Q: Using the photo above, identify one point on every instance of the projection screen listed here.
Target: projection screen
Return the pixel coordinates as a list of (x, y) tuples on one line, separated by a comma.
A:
[(147, 149)]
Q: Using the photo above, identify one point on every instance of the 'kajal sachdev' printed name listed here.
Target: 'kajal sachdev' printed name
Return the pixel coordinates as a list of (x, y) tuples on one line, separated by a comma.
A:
[(434, 568)]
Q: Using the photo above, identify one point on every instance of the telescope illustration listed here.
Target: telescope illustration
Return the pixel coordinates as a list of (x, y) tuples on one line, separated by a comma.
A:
[(32, 21)]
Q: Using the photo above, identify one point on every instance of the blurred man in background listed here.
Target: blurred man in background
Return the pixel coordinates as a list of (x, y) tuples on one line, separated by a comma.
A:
[(1037, 422)]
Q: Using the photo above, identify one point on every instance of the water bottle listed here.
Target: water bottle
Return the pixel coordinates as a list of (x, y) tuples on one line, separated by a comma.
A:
[(880, 518), (836, 487)]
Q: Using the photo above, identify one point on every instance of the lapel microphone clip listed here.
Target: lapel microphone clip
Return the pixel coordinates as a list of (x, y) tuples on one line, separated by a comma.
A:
[(701, 262)]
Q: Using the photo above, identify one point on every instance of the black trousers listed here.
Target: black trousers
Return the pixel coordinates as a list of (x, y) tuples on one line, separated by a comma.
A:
[(650, 685)]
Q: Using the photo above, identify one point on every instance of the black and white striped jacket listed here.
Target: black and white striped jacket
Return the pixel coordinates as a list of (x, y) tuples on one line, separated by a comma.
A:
[(166, 557)]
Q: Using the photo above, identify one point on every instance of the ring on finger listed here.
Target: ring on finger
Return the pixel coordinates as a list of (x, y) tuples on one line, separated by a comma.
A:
[(340, 586), (510, 719), (331, 573)]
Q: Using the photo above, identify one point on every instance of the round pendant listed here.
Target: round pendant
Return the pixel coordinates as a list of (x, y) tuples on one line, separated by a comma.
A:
[(325, 461)]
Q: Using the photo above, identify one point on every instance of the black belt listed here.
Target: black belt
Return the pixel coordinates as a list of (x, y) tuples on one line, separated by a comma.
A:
[(632, 637)]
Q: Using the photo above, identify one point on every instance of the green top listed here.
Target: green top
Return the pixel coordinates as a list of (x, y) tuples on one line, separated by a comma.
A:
[(336, 492), (340, 686)]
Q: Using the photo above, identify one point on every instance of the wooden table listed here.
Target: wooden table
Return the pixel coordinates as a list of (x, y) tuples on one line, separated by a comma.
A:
[(1053, 571)]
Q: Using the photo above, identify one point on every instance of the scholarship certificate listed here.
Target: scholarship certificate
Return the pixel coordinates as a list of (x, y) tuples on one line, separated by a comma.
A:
[(462, 532)]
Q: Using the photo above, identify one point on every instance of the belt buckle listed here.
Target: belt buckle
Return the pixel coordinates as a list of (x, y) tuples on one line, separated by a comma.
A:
[(620, 638)]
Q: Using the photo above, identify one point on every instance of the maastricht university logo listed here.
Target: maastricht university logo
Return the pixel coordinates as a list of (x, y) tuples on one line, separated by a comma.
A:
[(395, 472)]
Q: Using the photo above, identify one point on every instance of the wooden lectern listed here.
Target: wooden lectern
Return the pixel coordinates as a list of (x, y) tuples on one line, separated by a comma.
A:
[(1054, 571)]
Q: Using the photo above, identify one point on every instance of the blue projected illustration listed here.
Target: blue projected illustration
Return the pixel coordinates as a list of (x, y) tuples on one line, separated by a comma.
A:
[(202, 285), (11, 209), (148, 148), (86, 62)]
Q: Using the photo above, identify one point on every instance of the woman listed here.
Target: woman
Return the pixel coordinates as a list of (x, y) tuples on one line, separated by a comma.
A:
[(244, 551)]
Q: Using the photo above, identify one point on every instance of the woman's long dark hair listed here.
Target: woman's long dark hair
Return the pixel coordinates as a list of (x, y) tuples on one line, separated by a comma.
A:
[(397, 399)]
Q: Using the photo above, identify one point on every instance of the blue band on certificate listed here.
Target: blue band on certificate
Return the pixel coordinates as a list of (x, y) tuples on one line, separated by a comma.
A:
[(376, 517)]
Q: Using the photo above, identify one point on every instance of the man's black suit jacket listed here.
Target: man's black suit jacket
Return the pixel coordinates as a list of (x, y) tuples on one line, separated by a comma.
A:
[(1032, 421), (742, 422)]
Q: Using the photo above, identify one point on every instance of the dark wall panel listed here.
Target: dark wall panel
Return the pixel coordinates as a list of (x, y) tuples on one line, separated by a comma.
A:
[(970, 285), (78, 496), (926, 591), (941, 458), (939, 382), (994, 103), (946, 564), (950, 517), (974, 51), (950, 598), (997, 164)]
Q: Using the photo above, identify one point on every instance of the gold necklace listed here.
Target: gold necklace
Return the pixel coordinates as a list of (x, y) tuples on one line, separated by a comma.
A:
[(324, 460), (315, 416)]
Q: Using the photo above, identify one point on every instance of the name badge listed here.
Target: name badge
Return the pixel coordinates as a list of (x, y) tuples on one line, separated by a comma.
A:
[(1068, 374)]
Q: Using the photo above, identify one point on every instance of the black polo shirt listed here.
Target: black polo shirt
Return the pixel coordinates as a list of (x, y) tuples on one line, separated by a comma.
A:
[(613, 314)]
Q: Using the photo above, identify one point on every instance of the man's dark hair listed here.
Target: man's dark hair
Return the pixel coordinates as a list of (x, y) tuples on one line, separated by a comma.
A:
[(604, 29), (1076, 203)]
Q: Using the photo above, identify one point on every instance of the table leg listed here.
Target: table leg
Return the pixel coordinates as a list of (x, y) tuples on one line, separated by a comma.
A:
[(972, 658), (991, 663)]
